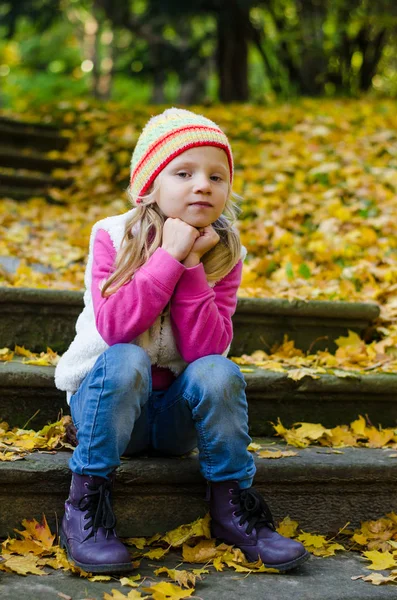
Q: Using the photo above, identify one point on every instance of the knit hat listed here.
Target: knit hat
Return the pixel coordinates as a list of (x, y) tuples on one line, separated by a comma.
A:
[(167, 135)]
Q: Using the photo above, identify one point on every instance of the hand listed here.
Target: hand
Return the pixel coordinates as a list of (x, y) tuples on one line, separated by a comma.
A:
[(178, 238), (203, 244)]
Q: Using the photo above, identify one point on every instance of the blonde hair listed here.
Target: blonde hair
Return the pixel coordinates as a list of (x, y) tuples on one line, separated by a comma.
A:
[(143, 235)]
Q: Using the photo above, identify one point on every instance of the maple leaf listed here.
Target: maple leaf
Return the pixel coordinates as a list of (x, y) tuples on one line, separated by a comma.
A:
[(157, 553), (199, 528), (287, 527), (377, 578), (276, 453), (6, 354), (117, 595), (168, 591), (22, 565), (185, 579), (131, 581), (202, 552), (379, 560), (40, 532)]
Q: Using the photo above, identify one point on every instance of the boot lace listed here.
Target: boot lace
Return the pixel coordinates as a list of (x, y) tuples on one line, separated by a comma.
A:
[(99, 509), (253, 509)]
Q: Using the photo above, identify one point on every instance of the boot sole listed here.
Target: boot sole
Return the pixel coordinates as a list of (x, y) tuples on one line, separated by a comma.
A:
[(293, 564), (112, 568), (283, 567)]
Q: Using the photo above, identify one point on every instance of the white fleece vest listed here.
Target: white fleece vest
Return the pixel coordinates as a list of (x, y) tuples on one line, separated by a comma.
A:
[(88, 345)]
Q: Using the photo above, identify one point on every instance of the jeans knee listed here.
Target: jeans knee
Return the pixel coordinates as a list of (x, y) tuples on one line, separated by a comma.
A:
[(127, 366), (219, 374)]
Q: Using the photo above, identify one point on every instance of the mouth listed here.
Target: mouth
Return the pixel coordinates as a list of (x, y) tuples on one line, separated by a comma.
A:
[(201, 204)]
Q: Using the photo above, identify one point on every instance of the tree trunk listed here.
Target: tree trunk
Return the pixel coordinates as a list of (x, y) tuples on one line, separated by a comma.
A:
[(372, 52), (313, 61), (158, 96), (232, 53)]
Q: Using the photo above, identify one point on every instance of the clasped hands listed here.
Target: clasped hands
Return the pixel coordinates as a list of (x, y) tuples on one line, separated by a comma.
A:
[(187, 243)]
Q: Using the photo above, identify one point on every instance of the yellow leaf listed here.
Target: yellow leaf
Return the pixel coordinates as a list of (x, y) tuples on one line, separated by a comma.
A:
[(203, 551), (310, 431), (380, 560), (131, 581), (11, 456), (287, 527), (276, 453), (198, 528), (99, 578), (22, 351), (360, 539), (314, 541), (139, 543), (298, 374), (341, 436), (38, 362), (23, 565), (353, 339), (378, 578), (183, 578), (6, 355), (40, 532), (358, 426), (218, 564), (157, 553), (378, 439), (58, 560), (167, 591), (328, 550), (253, 447), (117, 595), (22, 547), (256, 568)]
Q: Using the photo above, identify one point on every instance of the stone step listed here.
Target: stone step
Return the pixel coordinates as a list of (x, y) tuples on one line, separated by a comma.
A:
[(329, 400), (34, 182), (23, 124), (318, 488), (36, 318), (25, 193), (34, 161), (20, 134), (317, 579)]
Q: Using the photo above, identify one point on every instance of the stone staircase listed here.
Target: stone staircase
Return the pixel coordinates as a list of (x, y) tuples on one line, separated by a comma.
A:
[(321, 489), (25, 168)]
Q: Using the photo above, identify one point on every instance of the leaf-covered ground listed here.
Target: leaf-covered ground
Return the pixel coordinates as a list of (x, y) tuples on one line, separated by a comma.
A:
[(318, 181), (36, 550)]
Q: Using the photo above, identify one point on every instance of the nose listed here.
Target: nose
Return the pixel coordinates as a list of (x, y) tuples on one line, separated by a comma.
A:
[(202, 184)]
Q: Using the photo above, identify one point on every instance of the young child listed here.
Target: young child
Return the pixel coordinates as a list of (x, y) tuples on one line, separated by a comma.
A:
[(147, 369)]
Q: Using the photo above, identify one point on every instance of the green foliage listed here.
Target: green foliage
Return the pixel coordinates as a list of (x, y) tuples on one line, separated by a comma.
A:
[(330, 48)]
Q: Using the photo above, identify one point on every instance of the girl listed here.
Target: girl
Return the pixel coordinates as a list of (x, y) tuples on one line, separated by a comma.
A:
[(148, 368)]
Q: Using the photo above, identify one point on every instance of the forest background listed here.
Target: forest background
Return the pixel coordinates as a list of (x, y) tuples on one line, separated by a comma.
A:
[(201, 51)]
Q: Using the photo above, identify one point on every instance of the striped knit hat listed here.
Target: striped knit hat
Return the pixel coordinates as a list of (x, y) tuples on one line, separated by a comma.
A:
[(166, 136)]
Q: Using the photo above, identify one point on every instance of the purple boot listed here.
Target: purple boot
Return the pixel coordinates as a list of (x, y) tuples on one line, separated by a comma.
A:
[(87, 532), (243, 519)]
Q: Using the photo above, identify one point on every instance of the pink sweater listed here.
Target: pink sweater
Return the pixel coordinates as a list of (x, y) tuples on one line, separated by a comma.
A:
[(200, 315)]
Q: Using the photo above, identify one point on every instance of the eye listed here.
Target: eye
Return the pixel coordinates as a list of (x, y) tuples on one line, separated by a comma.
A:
[(182, 174), (216, 178)]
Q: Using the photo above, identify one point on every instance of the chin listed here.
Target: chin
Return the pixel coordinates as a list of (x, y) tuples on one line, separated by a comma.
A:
[(198, 222)]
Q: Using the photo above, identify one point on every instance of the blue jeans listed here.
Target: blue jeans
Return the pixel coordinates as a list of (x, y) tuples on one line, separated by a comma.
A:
[(116, 413)]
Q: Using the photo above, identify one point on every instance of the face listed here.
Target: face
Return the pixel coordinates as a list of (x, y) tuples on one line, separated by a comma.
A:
[(194, 186)]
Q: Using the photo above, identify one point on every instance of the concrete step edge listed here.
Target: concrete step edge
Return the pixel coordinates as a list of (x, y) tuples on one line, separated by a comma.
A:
[(15, 373), (349, 466)]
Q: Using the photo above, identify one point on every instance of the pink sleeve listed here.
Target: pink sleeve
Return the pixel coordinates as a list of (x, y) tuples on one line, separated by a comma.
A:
[(201, 316), (124, 315)]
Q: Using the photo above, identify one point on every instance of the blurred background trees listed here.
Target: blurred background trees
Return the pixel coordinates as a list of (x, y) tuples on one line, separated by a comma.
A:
[(197, 51)]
